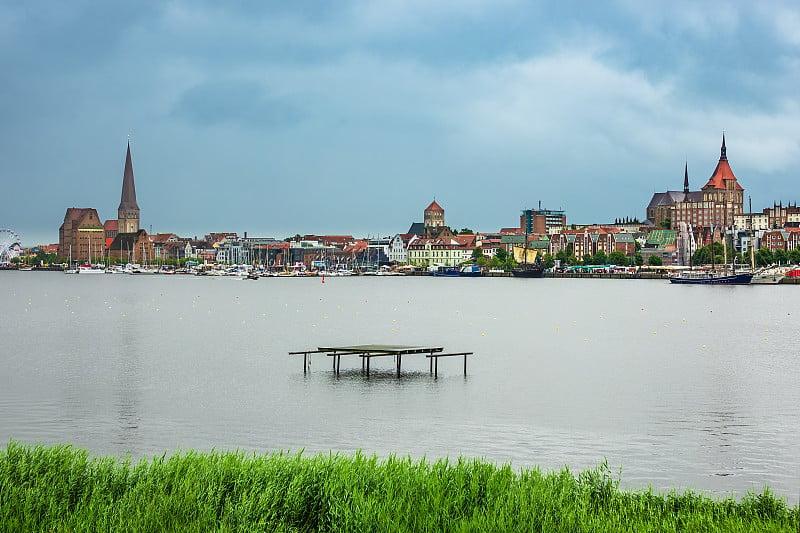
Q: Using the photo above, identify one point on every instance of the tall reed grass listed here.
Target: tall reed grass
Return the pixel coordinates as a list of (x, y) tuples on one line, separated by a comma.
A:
[(63, 489)]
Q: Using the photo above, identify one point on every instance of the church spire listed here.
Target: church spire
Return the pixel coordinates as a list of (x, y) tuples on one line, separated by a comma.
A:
[(128, 200), (128, 211), (723, 155), (686, 178)]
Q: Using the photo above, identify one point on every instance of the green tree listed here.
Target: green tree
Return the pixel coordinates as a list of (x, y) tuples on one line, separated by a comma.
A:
[(764, 257), (666, 223), (501, 255), (781, 256), (587, 259), (562, 256), (655, 260), (638, 260), (43, 258), (600, 258), (477, 253), (548, 261), (794, 256), (702, 256), (573, 260), (466, 231), (618, 258)]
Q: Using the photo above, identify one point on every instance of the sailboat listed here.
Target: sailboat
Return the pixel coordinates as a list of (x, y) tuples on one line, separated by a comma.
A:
[(713, 276), (526, 269), (88, 267), (71, 269)]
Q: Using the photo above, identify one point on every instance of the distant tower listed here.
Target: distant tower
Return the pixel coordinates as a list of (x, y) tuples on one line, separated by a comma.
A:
[(686, 178), (128, 211), (434, 215)]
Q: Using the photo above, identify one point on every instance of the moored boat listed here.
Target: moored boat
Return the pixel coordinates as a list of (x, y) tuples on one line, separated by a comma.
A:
[(710, 277), (529, 271), (444, 271), (470, 271), (90, 269)]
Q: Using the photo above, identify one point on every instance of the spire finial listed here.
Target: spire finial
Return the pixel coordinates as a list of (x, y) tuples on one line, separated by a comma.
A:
[(723, 155)]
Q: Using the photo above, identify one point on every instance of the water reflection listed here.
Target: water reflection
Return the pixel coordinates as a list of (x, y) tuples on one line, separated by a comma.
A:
[(128, 384)]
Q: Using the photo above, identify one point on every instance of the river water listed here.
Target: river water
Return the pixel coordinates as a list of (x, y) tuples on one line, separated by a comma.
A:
[(679, 386)]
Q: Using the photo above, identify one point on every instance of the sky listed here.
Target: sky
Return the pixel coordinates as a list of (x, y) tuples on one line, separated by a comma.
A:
[(350, 117)]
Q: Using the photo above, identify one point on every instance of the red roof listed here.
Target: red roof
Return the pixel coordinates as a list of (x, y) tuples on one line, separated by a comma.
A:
[(111, 225), (434, 207), (721, 173)]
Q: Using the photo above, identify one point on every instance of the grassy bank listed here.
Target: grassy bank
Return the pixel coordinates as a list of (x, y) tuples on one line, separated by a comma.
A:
[(61, 488)]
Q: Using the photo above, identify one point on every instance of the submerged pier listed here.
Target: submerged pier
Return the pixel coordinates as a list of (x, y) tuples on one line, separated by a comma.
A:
[(367, 351)]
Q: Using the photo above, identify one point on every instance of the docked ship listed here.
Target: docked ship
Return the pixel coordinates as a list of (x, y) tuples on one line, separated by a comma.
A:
[(711, 277)]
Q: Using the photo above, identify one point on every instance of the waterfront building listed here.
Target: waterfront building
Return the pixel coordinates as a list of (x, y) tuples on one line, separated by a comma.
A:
[(663, 243), (437, 252), (490, 243), (81, 235), (781, 239), (132, 248), (590, 240), (398, 248), (542, 221), (752, 221), (161, 245), (775, 217)]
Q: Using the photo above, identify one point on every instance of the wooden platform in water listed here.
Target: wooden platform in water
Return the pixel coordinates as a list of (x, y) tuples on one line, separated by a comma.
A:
[(367, 351)]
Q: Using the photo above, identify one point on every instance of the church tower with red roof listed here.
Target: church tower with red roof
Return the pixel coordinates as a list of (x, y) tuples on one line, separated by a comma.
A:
[(434, 215), (723, 190)]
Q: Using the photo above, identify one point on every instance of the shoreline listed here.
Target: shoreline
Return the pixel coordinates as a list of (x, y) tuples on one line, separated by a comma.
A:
[(61, 487)]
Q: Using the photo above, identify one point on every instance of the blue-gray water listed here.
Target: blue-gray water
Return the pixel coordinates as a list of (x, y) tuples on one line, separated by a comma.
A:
[(681, 386)]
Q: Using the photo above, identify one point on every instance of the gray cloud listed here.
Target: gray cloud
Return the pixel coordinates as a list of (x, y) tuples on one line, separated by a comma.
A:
[(234, 102)]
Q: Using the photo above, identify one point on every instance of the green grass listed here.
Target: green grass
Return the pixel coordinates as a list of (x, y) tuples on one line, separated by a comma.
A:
[(63, 489)]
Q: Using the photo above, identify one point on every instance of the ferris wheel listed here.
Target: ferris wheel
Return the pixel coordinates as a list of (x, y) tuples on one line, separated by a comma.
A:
[(10, 245)]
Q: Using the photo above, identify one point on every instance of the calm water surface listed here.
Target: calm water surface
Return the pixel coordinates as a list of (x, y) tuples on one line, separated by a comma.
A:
[(680, 386)]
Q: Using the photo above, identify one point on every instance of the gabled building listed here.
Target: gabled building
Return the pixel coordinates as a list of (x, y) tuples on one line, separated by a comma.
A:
[(81, 235), (715, 204), (437, 252), (398, 248), (132, 248), (160, 242)]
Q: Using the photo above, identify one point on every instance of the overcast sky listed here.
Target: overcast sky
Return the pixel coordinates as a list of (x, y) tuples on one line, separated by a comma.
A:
[(349, 117)]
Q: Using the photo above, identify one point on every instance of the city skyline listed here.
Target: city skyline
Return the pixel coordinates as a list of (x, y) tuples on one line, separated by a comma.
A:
[(279, 120)]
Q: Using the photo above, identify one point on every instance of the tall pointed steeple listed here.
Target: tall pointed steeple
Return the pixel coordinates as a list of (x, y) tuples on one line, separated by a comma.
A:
[(128, 211), (723, 153), (686, 178)]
